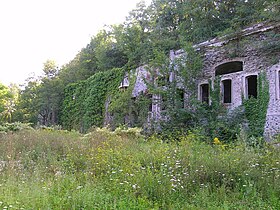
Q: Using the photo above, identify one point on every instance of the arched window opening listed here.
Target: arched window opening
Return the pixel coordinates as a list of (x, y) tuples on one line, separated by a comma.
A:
[(252, 86), (228, 68), (204, 93), (226, 91)]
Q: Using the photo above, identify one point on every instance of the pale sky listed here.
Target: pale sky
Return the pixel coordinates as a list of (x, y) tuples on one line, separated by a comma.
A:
[(33, 31)]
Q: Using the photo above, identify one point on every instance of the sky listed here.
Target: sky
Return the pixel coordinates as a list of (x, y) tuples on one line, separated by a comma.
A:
[(33, 31)]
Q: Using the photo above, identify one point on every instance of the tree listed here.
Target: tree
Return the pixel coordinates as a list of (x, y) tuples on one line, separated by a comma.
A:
[(8, 100), (28, 102), (50, 68), (50, 93)]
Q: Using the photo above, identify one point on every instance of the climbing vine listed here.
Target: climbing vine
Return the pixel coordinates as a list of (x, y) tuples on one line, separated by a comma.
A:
[(256, 108), (128, 110), (84, 102)]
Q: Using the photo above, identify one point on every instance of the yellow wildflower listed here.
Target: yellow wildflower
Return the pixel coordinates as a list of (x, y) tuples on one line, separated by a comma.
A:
[(217, 141)]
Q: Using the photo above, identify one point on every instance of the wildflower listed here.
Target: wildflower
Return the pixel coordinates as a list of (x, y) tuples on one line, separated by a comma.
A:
[(217, 141), (79, 187)]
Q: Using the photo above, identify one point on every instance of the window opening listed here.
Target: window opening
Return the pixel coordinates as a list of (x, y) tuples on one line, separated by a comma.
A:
[(204, 93), (252, 86), (227, 86), (150, 98), (229, 67)]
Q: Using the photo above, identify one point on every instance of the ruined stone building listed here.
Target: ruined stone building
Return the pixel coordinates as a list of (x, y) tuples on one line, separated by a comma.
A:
[(238, 59)]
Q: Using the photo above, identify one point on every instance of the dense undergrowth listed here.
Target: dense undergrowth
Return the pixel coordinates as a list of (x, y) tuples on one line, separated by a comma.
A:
[(53, 169)]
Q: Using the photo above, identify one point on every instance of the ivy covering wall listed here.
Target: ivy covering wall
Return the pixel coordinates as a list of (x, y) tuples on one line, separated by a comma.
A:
[(256, 108), (84, 102)]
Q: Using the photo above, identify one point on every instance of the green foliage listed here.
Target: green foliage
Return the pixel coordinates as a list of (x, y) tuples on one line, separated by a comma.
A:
[(179, 97), (50, 69), (146, 37), (27, 107), (8, 100), (256, 108), (129, 111), (84, 102), (48, 169), (17, 126), (120, 107), (40, 100)]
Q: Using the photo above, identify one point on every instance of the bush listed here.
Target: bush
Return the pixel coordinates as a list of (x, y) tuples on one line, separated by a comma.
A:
[(17, 126)]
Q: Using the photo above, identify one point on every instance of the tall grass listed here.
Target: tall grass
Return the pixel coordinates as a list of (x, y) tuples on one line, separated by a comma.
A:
[(47, 169)]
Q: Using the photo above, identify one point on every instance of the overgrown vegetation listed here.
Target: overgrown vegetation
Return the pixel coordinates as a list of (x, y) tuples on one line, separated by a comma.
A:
[(198, 156), (255, 108), (84, 103), (159, 27), (48, 169)]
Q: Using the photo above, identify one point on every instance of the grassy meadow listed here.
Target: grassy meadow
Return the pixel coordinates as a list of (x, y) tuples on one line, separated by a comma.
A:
[(49, 169)]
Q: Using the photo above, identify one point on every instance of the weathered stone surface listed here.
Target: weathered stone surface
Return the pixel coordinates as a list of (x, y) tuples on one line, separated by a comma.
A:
[(256, 47), (272, 125)]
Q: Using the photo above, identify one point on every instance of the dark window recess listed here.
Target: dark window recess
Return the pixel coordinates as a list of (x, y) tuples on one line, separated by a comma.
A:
[(252, 86), (229, 67), (150, 98), (204, 91), (227, 91), (180, 97)]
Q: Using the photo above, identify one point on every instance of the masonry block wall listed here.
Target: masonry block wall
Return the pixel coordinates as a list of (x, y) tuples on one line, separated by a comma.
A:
[(272, 125), (238, 60)]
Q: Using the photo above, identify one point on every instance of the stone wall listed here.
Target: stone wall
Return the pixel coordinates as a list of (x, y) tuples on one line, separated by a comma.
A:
[(257, 48), (272, 125)]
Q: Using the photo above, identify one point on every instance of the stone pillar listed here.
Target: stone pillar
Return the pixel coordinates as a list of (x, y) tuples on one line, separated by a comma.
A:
[(272, 125)]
